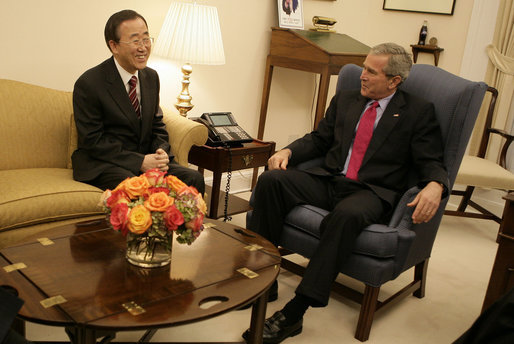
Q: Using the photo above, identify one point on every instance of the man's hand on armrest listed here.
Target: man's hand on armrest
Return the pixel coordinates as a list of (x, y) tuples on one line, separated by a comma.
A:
[(426, 202), (279, 160)]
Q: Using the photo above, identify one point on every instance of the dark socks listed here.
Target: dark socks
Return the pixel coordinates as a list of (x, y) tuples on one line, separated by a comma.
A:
[(296, 308)]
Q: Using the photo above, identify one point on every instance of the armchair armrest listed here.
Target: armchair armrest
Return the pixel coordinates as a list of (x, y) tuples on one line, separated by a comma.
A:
[(183, 134), (508, 140)]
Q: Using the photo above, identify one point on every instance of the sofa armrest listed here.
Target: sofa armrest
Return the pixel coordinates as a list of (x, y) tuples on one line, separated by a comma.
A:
[(183, 134)]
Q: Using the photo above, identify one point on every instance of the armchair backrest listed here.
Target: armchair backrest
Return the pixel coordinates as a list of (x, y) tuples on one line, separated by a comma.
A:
[(456, 100)]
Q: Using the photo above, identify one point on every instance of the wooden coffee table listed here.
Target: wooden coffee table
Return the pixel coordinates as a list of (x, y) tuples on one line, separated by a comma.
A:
[(85, 265)]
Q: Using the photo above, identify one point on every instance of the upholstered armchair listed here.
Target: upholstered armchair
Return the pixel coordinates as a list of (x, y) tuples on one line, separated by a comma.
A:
[(382, 252)]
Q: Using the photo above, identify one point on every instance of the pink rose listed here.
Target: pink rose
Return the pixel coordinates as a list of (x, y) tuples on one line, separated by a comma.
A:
[(173, 218), (196, 224), (119, 217), (153, 190), (187, 190), (155, 176), (117, 196)]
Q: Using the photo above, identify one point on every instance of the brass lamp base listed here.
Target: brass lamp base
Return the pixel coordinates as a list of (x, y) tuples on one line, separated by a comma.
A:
[(184, 98)]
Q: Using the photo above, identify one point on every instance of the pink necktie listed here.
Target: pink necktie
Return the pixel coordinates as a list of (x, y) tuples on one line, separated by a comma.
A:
[(361, 142), (133, 96)]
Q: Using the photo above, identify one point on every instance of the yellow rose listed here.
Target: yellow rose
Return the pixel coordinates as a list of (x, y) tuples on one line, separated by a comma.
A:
[(140, 219), (174, 183), (136, 186), (158, 201)]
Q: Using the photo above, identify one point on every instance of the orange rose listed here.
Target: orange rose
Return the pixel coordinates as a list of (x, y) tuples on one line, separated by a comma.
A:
[(121, 186), (155, 176), (174, 183), (159, 201), (140, 219), (136, 186)]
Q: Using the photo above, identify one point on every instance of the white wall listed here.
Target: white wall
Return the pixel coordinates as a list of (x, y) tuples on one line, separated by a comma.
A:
[(51, 42)]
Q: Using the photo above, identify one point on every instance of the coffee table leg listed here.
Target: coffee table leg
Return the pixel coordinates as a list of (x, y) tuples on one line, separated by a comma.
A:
[(81, 335), (258, 317)]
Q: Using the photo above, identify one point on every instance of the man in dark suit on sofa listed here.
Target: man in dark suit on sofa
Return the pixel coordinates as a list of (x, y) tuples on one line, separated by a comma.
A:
[(116, 107), (370, 140)]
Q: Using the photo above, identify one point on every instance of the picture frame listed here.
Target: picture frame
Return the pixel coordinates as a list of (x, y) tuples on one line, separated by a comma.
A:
[(290, 14), (445, 7)]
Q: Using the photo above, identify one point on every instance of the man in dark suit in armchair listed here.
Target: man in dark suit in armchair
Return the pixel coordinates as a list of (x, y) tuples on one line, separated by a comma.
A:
[(116, 107), (370, 139)]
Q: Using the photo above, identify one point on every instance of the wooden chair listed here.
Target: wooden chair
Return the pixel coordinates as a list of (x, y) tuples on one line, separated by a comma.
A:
[(477, 171)]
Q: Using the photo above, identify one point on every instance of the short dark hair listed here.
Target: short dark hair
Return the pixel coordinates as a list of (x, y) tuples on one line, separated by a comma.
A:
[(111, 32), (399, 62)]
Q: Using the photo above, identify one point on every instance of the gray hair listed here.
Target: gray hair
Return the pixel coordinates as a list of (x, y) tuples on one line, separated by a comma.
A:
[(400, 61)]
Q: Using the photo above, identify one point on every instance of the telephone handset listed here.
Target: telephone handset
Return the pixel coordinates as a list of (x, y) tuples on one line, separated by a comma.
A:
[(223, 129)]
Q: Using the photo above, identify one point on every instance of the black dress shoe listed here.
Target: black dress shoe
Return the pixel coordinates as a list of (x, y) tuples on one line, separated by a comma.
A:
[(272, 296), (276, 330)]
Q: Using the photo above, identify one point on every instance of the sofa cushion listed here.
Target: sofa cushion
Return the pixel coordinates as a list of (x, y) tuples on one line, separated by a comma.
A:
[(37, 195)]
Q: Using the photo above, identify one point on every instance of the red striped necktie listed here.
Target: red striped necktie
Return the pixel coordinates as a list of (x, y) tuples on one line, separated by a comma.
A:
[(133, 96), (362, 139)]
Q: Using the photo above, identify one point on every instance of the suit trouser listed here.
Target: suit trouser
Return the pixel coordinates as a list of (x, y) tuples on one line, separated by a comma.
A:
[(352, 205), (111, 177)]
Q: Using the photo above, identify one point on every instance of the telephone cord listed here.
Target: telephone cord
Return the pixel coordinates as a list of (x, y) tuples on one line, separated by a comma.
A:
[(227, 187)]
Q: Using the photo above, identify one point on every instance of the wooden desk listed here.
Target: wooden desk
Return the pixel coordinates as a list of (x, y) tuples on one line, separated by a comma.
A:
[(310, 51), (216, 159), (502, 274)]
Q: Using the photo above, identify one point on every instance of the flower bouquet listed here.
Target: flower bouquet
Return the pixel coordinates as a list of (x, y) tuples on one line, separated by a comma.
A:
[(148, 209)]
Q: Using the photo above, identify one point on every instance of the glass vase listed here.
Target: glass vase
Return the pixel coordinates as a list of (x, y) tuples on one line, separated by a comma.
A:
[(149, 251)]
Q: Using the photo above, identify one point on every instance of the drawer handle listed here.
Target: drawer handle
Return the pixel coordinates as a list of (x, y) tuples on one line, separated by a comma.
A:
[(247, 159)]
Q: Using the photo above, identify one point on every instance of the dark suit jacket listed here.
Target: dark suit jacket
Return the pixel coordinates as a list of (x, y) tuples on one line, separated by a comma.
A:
[(406, 140), (109, 132)]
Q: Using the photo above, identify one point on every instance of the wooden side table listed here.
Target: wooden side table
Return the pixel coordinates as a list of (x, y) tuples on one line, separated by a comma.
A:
[(502, 274), (216, 159)]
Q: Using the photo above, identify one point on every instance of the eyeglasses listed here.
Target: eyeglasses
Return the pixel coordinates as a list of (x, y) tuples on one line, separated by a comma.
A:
[(148, 41)]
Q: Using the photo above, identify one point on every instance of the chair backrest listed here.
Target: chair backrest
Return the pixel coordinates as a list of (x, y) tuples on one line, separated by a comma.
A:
[(456, 100)]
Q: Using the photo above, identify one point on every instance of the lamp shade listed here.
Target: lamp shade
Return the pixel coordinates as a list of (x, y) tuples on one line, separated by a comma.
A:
[(191, 33)]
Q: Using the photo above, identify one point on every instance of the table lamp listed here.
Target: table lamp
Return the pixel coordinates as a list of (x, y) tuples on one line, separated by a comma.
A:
[(190, 34)]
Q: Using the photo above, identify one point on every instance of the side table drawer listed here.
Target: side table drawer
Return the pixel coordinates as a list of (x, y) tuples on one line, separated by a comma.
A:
[(242, 160)]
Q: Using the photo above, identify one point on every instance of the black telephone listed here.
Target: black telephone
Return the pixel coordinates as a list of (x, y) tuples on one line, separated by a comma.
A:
[(223, 129)]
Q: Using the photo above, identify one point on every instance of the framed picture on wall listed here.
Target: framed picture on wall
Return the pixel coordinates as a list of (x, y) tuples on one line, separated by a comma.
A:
[(423, 6), (290, 14)]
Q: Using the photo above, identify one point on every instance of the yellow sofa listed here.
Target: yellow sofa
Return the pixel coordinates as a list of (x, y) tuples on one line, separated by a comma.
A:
[(37, 138)]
